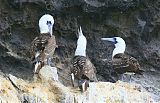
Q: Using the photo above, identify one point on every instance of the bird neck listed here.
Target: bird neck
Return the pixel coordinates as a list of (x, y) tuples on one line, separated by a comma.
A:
[(81, 46), (46, 29), (119, 48)]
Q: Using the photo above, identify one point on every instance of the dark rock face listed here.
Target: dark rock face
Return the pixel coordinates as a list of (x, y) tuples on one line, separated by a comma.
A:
[(137, 21)]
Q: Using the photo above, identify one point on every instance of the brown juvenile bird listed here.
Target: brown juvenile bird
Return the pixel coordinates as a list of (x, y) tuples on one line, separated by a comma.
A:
[(83, 70), (122, 62), (44, 45)]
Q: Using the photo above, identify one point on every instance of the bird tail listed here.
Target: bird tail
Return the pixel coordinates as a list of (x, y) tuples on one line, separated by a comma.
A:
[(83, 85), (38, 65), (72, 79)]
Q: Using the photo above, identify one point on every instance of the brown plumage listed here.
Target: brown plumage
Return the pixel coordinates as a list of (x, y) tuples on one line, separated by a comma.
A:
[(79, 66), (39, 43), (83, 70), (124, 63), (50, 47), (45, 46)]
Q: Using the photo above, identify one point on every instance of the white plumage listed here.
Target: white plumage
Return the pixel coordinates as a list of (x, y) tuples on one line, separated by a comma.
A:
[(119, 43), (46, 23), (81, 44)]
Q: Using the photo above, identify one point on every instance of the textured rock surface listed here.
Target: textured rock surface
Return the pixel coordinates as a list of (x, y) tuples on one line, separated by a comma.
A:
[(48, 73), (7, 91), (20, 91), (137, 21)]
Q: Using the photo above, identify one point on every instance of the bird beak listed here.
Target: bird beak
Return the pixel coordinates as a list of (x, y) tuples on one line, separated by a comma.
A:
[(110, 39), (50, 29), (79, 32), (36, 67), (50, 25)]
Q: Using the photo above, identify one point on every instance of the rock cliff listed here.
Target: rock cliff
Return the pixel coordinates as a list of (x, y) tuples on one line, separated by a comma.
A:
[(137, 21), (46, 90)]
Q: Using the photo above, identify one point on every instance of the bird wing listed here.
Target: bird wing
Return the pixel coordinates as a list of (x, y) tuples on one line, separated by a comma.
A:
[(125, 63), (120, 61), (83, 68), (78, 66), (134, 65), (39, 44), (90, 71), (50, 46)]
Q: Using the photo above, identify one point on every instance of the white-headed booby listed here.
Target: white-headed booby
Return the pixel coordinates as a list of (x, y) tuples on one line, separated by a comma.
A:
[(122, 62), (43, 46), (83, 70)]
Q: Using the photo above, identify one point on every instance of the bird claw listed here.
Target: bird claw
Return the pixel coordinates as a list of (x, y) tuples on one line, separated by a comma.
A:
[(82, 85)]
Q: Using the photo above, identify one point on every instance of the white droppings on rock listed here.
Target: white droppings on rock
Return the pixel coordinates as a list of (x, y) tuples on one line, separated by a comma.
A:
[(48, 73), (54, 73), (49, 91)]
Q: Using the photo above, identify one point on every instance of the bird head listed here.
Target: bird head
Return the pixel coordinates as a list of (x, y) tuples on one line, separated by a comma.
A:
[(119, 43), (46, 23)]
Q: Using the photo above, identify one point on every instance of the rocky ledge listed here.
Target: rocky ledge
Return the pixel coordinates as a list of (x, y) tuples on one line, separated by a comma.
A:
[(136, 21), (48, 90)]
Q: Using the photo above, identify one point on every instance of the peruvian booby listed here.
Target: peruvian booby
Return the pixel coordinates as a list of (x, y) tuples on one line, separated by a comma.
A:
[(122, 62), (43, 46), (83, 70)]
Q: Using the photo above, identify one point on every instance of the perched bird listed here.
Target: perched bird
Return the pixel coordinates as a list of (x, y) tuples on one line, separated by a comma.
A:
[(83, 70), (122, 62), (43, 46)]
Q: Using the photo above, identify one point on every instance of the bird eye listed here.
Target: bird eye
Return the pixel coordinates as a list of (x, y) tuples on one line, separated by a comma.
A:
[(49, 23), (115, 40)]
